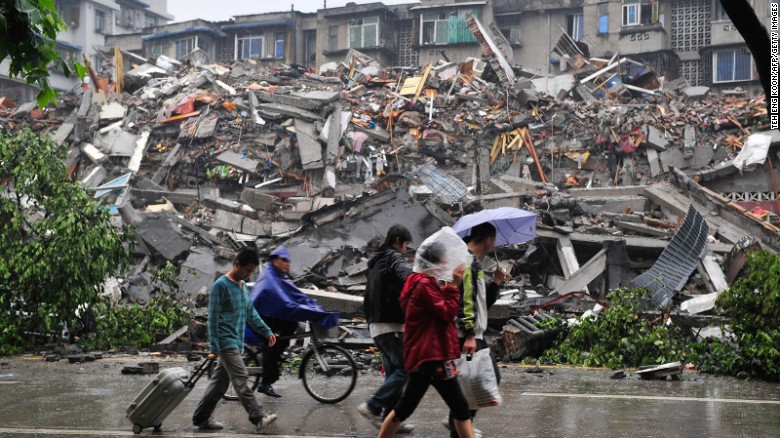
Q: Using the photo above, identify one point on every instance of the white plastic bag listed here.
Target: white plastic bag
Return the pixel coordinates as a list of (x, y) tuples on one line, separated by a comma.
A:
[(441, 253), (477, 379)]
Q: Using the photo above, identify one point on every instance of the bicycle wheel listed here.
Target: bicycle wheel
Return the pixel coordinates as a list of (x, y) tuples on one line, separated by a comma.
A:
[(329, 376), (253, 367)]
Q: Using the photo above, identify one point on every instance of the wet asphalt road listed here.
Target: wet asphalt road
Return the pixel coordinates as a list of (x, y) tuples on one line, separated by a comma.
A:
[(89, 399)]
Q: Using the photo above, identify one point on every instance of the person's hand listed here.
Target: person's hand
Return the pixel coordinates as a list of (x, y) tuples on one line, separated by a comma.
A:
[(470, 346), (271, 340), (457, 277), (500, 276)]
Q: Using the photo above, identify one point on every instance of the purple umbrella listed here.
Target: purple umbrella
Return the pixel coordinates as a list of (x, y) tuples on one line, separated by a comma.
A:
[(513, 225)]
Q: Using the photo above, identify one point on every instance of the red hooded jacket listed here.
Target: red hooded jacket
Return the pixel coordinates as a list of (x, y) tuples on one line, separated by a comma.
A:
[(429, 328)]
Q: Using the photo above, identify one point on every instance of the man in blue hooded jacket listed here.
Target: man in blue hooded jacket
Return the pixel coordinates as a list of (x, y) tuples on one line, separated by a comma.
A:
[(282, 305)]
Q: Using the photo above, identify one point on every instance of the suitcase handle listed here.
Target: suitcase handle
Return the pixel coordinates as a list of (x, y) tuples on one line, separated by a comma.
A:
[(200, 371)]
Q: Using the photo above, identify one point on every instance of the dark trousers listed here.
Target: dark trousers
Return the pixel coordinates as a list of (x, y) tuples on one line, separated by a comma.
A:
[(431, 374), (230, 369), (481, 344), (391, 347), (272, 356)]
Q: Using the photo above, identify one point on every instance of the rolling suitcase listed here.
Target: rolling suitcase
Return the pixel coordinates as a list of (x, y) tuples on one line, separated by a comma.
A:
[(161, 396)]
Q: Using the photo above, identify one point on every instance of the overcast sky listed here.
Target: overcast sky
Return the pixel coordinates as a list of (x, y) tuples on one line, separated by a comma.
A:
[(211, 10)]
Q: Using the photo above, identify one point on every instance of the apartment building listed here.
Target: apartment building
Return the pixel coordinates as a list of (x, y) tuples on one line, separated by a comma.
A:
[(89, 22)]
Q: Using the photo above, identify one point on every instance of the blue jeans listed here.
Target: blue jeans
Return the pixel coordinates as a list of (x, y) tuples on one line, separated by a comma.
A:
[(391, 347)]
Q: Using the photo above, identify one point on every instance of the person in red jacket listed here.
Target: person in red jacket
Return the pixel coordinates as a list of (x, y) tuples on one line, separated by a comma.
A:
[(430, 339)]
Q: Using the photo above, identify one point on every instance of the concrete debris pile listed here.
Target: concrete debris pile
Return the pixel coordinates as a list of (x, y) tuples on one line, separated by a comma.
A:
[(622, 167)]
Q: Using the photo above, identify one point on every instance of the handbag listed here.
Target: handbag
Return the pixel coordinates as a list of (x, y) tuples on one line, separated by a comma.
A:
[(477, 379)]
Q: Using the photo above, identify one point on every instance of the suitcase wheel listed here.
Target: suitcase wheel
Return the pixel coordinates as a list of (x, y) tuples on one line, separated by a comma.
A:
[(137, 428), (158, 428)]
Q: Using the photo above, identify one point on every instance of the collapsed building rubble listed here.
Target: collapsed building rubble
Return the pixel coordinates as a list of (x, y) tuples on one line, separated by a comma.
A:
[(624, 169)]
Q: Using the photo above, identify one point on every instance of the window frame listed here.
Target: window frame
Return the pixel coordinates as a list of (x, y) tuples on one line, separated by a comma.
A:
[(241, 41), (280, 38), (638, 14), (577, 26), (600, 14), (716, 55), (176, 44), (363, 25), (102, 28), (156, 49), (333, 38), (149, 20), (444, 21)]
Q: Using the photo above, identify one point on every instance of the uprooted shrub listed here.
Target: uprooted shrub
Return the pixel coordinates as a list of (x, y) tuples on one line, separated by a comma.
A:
[(752, 303), (620, 336)]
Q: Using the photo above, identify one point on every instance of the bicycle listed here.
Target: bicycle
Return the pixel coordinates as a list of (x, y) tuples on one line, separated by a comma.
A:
[(328, 371)]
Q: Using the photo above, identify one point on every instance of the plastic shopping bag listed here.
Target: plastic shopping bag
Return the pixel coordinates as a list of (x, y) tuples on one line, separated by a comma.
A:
[(477, 379)]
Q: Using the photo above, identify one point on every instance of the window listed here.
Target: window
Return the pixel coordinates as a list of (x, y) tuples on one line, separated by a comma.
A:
[(333, 38), (631, 15), (636, 12), (604, 18), (434, 28), (156, 49), (574, 26), (98, 63), (279, 45), (509, 25), (150, 20), (250, 47), (363, 32), (100, 21), (732, 66), (185, 47)]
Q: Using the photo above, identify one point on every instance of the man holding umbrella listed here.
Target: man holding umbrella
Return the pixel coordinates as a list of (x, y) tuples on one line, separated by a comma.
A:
[(477, 296), (482, 232)]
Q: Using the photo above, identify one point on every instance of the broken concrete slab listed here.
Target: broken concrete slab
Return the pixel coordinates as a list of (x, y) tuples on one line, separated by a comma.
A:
[(161, 236), (93, 153), (580, 279), (240, 161), (655, 139), (308, 145), (257, 199), (113, 111), (62, 133), (228, 221), (274, 110), (654, 162)]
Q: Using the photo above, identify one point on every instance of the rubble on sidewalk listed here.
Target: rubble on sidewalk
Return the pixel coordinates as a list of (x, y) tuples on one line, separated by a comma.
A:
[(205, 160)]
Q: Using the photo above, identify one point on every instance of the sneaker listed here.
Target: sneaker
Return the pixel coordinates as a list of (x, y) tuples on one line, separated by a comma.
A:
[(446, 423), (365, 410), (265, 421), (406, 428), (211, 424), (268, 390)]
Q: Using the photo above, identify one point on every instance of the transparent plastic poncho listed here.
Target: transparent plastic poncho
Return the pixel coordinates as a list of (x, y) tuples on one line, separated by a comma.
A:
[(440, 254)]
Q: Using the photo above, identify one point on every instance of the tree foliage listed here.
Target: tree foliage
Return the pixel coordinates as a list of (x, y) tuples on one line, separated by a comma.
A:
[(753, 305), (28, 34), (618, 337), (57, 244)]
